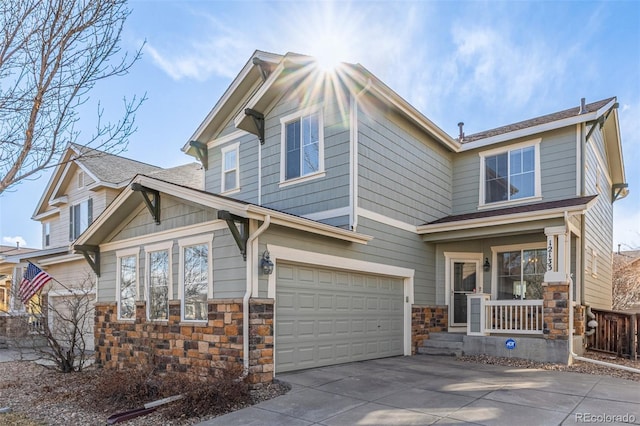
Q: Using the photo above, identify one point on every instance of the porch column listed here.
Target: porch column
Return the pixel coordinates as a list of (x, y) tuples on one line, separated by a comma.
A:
[(558, 254)]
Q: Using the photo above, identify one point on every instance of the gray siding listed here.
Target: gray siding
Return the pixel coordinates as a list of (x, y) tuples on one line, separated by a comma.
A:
[(173, 214), (402, 174), (598, 229), (248, 168), (320, 194), (390, 246), (557, 170)]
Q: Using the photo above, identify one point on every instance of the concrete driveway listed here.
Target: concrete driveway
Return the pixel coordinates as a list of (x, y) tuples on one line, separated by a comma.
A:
[(423, 390)]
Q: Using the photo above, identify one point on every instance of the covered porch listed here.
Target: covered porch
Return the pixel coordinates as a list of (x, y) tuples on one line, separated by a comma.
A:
[(511, 273)]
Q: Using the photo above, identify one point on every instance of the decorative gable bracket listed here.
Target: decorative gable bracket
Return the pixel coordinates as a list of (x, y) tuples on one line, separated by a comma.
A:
[(152, 205), (87, 252), (240, 235), (201, 152), (258, 120), (616, 190)]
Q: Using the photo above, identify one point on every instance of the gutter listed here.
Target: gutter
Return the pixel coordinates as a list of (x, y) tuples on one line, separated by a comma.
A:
[(251, 267)]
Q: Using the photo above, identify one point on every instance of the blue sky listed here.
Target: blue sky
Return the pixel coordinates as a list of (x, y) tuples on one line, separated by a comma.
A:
[(485, 63)]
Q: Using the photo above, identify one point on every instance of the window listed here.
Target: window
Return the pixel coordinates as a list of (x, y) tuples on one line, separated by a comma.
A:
[(509, 175), (195, 277), (80, 216), (127, 283), (302, 145), (520, 273), (158, 281), (230, 168), (46, 233)]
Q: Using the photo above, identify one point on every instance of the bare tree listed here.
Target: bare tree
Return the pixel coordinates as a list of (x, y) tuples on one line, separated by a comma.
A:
[(626, 282), (56, 324), (52, 53)]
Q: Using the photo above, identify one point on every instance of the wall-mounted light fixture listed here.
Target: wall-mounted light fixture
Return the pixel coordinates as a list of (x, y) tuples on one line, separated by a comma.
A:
[(266, 264), (486, 266)]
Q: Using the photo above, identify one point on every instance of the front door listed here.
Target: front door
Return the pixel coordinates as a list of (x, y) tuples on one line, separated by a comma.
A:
[(464, 278)]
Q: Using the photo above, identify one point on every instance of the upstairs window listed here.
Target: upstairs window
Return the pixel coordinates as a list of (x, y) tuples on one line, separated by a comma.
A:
[(80, 216), (302, 145), (46, 233), (510, 174), (230, 168)]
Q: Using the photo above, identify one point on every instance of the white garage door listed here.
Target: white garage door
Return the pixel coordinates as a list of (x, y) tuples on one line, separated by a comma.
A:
[(326, 316)]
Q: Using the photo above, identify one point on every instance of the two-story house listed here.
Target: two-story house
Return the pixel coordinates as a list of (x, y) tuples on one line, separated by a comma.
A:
[(338, 223), (79, 189)]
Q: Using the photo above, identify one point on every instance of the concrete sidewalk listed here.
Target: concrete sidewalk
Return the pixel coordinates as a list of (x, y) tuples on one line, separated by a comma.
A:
[(423, 390)]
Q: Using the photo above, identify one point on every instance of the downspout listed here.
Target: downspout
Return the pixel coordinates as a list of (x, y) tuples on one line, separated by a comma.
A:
[(354, 156), (251, 266)]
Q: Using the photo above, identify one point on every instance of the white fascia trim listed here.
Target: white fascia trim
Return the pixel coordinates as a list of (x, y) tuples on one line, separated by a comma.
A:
[(61, 259), (377, 217), (87, 171), (504, 220), (227, 138), (336, 262), (581, 118), (260, 92), (328, 214), (46, 214), (183, 232), (230, 91)]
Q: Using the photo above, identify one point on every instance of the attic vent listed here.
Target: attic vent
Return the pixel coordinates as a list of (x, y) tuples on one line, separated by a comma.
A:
[(583, 106)]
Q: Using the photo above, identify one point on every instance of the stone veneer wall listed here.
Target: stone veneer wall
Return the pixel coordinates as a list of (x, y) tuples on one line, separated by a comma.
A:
[(425, 320), (199, 348), (555, 310)]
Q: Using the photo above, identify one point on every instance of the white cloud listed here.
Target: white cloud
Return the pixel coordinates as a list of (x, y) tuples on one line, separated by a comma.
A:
[(220, 52), (12, 241)]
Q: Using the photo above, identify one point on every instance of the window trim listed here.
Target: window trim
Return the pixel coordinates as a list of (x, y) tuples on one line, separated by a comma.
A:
[(152, 248), (233, 147), (46, 234), (314, 109), (190, 242), (89, 201), (535, 143), (119, 255), (512, 247)]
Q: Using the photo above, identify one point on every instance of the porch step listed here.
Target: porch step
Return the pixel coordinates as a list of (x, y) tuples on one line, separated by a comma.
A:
[(447, 344)]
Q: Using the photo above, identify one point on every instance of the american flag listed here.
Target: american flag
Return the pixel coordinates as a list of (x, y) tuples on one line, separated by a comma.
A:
[(33, 280)]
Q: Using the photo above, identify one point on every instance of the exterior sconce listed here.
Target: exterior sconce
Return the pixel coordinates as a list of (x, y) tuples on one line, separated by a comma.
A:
[(486, 266), (266, 264)]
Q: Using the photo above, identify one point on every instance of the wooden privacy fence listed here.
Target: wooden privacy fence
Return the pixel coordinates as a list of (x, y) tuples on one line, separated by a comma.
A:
[(617, 333)]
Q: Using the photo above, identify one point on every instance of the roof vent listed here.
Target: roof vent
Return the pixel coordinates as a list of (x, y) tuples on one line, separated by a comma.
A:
[(461, 137), (583, 106)]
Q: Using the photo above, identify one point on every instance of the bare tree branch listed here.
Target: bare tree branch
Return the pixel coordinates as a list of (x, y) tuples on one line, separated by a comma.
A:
[(52, 53)]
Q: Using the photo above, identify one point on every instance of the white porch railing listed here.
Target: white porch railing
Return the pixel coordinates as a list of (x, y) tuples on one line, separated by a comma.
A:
[(503, 316)]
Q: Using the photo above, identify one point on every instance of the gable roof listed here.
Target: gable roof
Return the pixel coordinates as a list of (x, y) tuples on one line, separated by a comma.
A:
[(106, 170), (126, 202), (516, 214), (258, 85)]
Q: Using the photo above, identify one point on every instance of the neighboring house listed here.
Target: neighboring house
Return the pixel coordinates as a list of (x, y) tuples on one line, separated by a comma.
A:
[(84, 183), (626, 280), (337, 223), (7, 266)]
